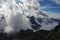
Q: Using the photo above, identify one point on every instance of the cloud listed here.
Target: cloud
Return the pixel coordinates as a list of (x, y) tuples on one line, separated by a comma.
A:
[(56, 1), (46, 25), (46, 7), (8, 29), (52, 14), (19, 22), (41, 0), (16, 14)]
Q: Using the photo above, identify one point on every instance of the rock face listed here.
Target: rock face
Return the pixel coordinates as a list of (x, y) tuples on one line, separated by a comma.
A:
[(34, 24)]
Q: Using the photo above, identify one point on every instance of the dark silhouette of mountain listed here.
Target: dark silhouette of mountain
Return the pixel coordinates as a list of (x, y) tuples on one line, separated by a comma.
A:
[(34, 24), (30, 35)]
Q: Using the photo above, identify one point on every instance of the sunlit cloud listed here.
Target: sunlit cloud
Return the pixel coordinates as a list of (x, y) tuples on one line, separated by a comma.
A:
[(16, 13)]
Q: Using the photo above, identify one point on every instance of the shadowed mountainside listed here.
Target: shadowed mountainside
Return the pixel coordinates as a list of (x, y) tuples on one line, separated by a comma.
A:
[(30, 35)]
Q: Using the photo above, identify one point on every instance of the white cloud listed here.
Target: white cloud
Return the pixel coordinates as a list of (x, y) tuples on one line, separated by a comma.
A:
[(41, 0), (52, 14), (56, 1), (15, 20), (8, 29), (14, 16), (48, 26)]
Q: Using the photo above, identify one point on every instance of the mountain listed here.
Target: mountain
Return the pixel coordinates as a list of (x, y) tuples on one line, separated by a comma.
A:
[(43, 22), (31, 35)]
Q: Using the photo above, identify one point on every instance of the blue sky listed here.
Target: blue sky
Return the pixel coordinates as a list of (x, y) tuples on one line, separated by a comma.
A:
[(50, 6)]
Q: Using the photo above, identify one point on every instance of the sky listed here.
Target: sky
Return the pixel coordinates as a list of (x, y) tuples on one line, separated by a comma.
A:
[(50, 5)]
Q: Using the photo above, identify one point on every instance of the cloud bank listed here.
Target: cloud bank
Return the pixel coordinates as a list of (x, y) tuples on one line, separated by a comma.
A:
[(14, 15)]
